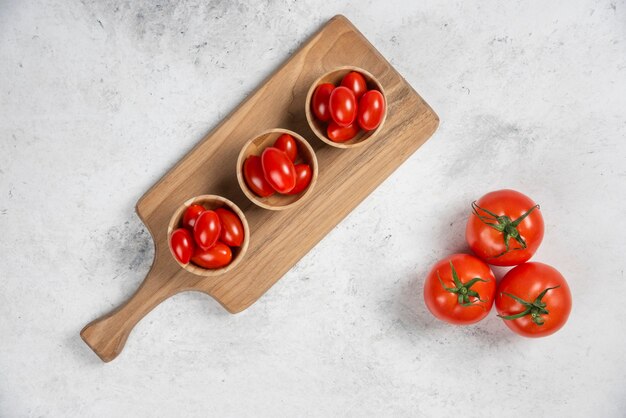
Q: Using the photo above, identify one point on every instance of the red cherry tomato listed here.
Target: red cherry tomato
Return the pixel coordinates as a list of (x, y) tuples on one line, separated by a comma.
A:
[(232, 229), (215, 257), (207, 229), (181, 245), (534, 300), (342, 105), (319, 101), (505, 228), (355, 82), (253, 174), (371, 110), (191, 214), (278, 170), (338, 133), (303, 178), (288, 145), (460, 289)]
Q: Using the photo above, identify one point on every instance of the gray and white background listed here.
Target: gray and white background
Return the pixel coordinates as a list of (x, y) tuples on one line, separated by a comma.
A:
[(98, 99)]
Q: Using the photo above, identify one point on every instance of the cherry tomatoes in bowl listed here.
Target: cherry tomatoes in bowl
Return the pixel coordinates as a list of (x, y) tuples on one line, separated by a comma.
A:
[(338, 133), (191, 214), (319, 101), (278, 170), (342, 105), (303, 178), (217, 256), (460, 289), (505, 228), (254, 177), (288, 145), (355, 82), (291, 185), (232, 233), (181, 245), (534, 300), (207, 229), (350, 124), (371, 110)]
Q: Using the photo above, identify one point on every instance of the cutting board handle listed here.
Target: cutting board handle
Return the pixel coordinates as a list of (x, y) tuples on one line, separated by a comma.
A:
[(107, 335)]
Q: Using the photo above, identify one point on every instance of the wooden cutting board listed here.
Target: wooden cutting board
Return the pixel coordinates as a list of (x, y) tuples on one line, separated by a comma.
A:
[(278, 239)]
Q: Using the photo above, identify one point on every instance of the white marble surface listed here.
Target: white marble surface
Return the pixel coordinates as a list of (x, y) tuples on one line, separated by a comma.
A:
[(99, 98)]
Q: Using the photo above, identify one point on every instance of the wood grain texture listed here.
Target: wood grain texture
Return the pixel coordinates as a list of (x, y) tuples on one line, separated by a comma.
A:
[(346, 177)]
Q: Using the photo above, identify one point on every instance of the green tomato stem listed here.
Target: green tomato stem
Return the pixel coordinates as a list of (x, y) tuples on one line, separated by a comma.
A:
[(503, 224), (462, 290), (535, 309)]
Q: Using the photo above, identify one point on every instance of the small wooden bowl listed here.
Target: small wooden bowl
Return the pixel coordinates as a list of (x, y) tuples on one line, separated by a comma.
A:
[(334, 77), (211, 202), (255, 146)]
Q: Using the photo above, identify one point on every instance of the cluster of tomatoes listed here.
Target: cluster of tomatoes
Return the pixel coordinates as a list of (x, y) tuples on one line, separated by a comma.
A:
[(206, 237), (505, 228), (276, 169), (348, 108)]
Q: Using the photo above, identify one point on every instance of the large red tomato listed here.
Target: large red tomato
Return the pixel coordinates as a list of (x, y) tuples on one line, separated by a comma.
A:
[(207, 229), (232, 229), (342, 105), (534, 300), (278, 170), (319, 101), (215, 257), (505, 228), (254, 177), (371, 110), (181, 245), (460, 289)]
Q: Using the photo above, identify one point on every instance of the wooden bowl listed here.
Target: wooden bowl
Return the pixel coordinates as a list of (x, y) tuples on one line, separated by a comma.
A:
[(211, 202), (255, 146), (334, 77)]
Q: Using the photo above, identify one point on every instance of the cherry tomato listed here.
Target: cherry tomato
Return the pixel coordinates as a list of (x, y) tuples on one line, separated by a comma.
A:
[(181, 245), (303, 178), (319, 101), (355, 82), (253, 174), (460, 289), (232, 229), (288, 145), (505, 228), (207, 229), (338, 133), (534, 300), (278, 170), (219, 255), (342, 106), (191, 214), (371, 110)]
